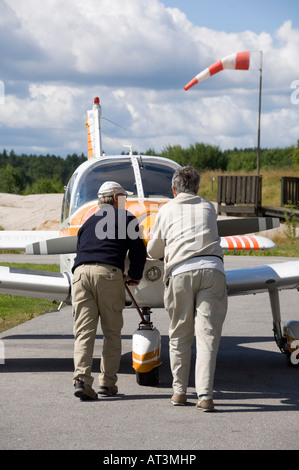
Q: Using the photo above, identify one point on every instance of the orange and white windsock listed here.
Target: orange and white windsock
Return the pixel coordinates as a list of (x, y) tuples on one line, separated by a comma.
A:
[(237, 61)]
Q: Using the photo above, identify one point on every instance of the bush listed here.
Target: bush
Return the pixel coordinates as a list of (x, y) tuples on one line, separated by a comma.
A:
[(46, 186), (12, 180), (200, 156), (295, 157)]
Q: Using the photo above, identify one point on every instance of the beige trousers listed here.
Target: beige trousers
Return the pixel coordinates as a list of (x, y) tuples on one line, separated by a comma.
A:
[(196, 302), (98, 291)]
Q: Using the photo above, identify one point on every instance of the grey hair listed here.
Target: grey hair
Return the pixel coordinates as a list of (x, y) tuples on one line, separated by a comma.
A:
[(186, 180), (106, 200)]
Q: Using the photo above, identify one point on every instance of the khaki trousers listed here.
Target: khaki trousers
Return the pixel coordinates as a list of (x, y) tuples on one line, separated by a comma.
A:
[(196, 302), (98, 291)]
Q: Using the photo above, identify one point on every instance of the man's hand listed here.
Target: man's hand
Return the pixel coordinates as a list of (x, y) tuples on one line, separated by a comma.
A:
[(149, 233), (131, 282)]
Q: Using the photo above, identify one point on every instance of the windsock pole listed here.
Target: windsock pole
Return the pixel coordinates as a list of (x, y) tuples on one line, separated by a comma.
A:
[(259, 121)]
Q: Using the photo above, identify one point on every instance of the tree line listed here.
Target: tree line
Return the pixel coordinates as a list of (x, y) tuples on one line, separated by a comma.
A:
[(40, 174), (207, 157), (36, 174)]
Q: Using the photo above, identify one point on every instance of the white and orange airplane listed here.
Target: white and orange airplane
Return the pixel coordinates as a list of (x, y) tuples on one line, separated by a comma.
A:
[(149, 180)]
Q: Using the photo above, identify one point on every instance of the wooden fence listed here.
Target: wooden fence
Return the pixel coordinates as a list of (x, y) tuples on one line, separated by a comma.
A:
[(289, 191), (239, 194)]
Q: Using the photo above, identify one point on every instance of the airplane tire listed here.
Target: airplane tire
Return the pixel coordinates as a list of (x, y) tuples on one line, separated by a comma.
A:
[(148, 379)]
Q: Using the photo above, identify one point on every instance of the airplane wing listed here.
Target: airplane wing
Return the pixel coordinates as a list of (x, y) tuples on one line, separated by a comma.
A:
[(68, 244), (36, 284), (32, 283), (231, 232), (18, 239), (57, 286), (265, 278), (38, 242)]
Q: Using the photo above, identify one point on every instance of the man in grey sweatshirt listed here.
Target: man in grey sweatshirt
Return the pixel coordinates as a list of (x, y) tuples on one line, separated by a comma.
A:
[(185, 234)]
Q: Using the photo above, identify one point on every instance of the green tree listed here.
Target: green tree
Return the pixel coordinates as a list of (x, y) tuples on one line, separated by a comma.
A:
[(200, 156), (295, 157), (244, 160), (12, 180), (46, 186)]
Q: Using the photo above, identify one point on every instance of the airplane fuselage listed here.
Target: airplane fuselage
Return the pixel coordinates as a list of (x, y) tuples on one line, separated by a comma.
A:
[(148, 178)]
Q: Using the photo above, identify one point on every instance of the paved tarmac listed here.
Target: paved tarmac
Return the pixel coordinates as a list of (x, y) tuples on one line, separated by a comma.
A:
[(256, 392)]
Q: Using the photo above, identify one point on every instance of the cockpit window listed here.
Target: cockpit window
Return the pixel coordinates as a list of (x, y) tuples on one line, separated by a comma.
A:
[(110, 170), (156, 177), (67, 198)]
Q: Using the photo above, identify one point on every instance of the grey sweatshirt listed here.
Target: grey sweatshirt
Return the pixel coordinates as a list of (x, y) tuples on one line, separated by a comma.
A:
[(184, 228)]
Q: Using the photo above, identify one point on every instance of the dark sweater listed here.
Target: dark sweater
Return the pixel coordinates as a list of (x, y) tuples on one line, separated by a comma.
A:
[(107, 237)]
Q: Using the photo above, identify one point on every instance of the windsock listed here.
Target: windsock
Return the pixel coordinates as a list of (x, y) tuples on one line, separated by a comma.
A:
[(237, 61)]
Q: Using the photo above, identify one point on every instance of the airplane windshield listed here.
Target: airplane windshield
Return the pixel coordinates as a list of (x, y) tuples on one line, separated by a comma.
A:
[(120, 171), (156, 176)]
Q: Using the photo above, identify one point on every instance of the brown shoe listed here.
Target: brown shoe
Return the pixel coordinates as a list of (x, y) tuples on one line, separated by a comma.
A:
[(178, 399), (108, 391), (84, 391), (205, 403)]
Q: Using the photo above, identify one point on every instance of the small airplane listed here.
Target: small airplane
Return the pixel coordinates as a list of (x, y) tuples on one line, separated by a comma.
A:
[(149, 180)]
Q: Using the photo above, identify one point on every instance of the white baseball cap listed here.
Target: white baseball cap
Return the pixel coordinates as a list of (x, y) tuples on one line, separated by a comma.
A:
[(109, 188)]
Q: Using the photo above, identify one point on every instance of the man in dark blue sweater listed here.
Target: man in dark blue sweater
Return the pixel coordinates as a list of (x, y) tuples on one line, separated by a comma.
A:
[(98, 287)]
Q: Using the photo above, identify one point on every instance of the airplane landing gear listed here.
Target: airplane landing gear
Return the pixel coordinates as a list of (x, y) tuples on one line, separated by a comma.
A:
[(146, 348), (288, 340)]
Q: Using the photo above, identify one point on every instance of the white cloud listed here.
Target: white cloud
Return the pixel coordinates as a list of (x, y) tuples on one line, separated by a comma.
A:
[(47, 106), (137, 56), (125, 40)]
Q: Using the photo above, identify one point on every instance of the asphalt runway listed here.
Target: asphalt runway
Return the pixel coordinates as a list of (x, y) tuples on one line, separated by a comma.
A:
[(256, 392)]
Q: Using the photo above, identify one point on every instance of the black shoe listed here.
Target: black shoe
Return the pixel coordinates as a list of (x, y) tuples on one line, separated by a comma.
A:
[(84, 391)]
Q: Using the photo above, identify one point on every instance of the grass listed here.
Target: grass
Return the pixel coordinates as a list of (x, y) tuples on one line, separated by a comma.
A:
[(15, 310)]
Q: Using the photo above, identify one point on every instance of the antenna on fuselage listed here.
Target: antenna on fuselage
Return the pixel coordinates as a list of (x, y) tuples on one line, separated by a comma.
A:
[(130, 147)]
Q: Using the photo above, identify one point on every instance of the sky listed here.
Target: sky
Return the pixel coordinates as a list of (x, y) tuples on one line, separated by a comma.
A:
[(136, 56)]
